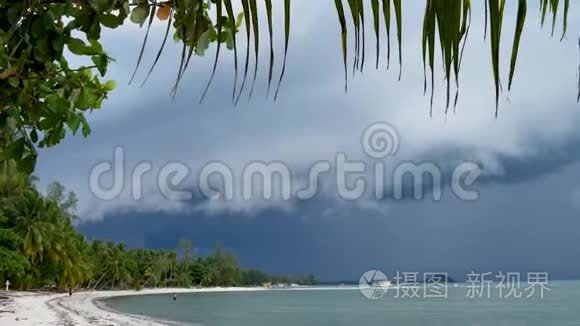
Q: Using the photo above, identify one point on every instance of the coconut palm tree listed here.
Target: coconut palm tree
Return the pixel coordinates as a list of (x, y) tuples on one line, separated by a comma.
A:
[(33, 221), (12, 182), (117, 267)]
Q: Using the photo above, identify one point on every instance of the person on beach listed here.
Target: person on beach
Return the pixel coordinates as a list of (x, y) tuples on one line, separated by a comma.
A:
[(174, 297), (70, 292)]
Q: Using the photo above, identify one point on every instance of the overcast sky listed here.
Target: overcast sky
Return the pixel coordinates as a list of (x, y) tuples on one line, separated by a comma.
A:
[(526, 218)]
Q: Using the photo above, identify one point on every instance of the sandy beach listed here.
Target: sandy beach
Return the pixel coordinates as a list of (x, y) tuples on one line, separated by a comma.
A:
[(27, 309)]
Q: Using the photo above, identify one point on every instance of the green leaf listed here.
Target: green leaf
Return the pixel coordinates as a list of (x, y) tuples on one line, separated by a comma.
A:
[(27, 164), (41, 51), (287, 16), (37, 28), (109, 85), (12, 15), (522, 8), (248, 27), (48, 20), (139, 14), (58, 43), (14, 82), (219, 11), (86, 129), (43, 87), (102, 62), (101, 5), (14, 114), (151, 17), (86, 99), (73, 123), (239, 20), (202, 44), (15, 150), (256, 30), (56, 134), (46, 123), (271, 34), (34, 136), (112, 21), (344, 31), (229, 38), (231, 43), (79, 47)]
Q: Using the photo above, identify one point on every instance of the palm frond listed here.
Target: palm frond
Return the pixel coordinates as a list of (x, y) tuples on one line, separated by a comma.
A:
[(353, 7), (361, 13), (271, 34), (496, 11), (232, 19), (342, 21), (248, 24), (151, 16), (376, 24), (565, 19), (450, 20), (219, 13), (181, 12), (446, 25), (399, 19), (256, 29), (166, 35), (552, 6), (195, 15), (429, 49), (522, 9), (387, 18), (287, 17)]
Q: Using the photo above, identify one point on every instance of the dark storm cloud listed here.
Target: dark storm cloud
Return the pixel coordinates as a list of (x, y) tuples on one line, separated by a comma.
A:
[(524, 219)]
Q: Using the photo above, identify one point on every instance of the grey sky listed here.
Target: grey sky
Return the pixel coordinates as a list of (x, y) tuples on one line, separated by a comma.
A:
[(526, 217)]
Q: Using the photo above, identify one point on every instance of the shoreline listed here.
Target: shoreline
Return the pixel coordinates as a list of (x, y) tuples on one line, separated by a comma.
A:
[(84, 308)]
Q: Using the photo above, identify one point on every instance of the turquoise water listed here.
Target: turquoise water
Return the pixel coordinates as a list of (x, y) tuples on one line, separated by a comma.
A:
[(560, 306)]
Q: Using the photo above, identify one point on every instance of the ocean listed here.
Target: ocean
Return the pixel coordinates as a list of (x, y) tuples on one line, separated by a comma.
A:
[(560, 305)]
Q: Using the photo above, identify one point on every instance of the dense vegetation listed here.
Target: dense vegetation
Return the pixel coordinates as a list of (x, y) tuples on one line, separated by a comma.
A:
[(40, 247)]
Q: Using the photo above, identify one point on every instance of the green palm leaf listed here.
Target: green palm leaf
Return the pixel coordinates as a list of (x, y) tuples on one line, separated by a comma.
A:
[(399, 19), (521, 19), (376, 24), (361, 13), (256, 29), (271, 34), (287, 17), (151, 16), (387, 17), (166, 35), (248, 24), (232, 19), (219, 13), (342, 21)]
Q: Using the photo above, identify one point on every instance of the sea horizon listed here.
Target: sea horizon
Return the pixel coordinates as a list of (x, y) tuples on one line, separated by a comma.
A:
[(347, 305)]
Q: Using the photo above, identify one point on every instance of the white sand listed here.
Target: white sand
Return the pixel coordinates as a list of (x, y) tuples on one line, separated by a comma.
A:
[(81, 309)]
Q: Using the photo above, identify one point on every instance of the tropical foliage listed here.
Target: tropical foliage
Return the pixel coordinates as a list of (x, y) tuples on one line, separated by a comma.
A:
[(42, 97), (40, 247)]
